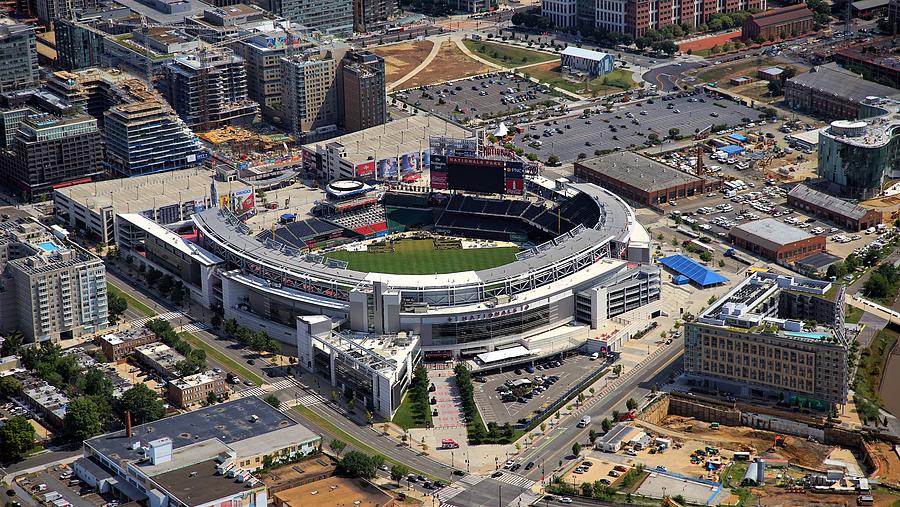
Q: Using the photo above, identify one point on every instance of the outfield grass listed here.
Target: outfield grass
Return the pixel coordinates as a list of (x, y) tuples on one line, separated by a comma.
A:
[(616, 81), (505, 55), (418, 257), (132, 302), (408, 417), (222, 359)]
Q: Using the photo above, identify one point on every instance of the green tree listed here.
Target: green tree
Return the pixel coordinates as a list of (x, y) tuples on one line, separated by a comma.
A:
[(95, 383), (631, 404), (587, 489), (606, 425), (17, 437), (553, 160), (211, 398), (116, 306), (398, 472), (230, 327), (82, 420), (337, 446), (273, 400), (576, 449), (357, 464), (11, 344), (377, 460), (177, 293), (705, 256), (9, 386), (674, 133), (143, 403)]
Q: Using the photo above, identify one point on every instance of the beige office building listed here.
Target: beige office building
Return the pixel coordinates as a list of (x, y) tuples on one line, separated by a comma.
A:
[(310, 93)]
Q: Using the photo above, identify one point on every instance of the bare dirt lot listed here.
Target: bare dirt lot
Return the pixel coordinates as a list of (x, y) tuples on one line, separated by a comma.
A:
[(776, 497), (449, 64), (683, 429), (888, 462), (401, 59)]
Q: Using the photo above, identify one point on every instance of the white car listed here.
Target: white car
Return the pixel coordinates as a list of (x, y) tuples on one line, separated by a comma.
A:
[(565, 499)]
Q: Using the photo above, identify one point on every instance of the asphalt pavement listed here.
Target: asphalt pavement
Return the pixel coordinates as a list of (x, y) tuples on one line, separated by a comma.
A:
[(596, 133)]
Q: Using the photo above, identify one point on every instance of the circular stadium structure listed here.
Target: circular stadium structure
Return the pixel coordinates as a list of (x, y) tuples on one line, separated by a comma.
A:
[(584, 259)]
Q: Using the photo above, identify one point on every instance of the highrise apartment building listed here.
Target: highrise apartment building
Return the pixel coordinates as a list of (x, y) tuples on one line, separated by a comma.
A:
[(310, 94), (48, 151), (18, 56), (52, 290), (773, 337), (636, 17), (364, 101), (262, 56), (208, 89), (373, 15), (146, 137), (327, 16)]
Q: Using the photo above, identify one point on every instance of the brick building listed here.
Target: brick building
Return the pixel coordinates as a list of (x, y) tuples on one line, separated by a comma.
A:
[(774, 240), (118, 346), (780, 23), (193, 390), (831, 91), (837, 211), (640, 179), (877, 60)]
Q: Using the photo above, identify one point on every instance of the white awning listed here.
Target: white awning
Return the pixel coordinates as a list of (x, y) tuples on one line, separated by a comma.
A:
[(503, 355)]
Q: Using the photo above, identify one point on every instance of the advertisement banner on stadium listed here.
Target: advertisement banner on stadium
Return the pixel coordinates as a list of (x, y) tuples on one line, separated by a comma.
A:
[(439, 172), (426, 158), (224, 201), (366, 170), (387, 169), (441, 145), (409, 163), (242, 200), (514, 178)]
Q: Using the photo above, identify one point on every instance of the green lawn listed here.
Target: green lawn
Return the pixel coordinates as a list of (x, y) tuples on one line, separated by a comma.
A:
[(505, 55), (222, 359), (418, 257), (853, 314), (132, 302), (616, 81), (408, 417), (869, 373)]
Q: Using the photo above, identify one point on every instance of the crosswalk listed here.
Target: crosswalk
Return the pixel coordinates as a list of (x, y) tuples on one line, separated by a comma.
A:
[(194, 327), (515, 480), (253, 391), (164, 316)]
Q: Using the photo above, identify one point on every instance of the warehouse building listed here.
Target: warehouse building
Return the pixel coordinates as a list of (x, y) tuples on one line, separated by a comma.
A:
[(775, 240), (837, 211), (640, 179), (618, 436), (593, 63), (782, 23), (831, 91)]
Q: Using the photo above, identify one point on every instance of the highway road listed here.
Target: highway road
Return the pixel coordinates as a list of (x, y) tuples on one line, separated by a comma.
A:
[(556, 446)]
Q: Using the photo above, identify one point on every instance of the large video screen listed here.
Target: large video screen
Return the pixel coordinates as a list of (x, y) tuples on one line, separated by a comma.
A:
[(476, 175)]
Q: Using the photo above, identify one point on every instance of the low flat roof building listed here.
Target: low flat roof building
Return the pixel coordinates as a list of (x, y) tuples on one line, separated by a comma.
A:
[(832, 92), (164, 198), (781, 23), (592, 63), (202, 458), (194, 389), (828, 207), (641, 179), (117, 346), (160, 357), (775, 240), (617, 436), (339, 157), (877, 58)]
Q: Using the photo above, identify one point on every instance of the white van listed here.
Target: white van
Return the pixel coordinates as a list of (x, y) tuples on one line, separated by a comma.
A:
[(595, 356), (584, 422)]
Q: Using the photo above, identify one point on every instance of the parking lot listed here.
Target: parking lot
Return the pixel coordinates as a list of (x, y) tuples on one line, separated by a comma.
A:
[(630, 125), (487, 96), (64, 482), (571, 371)]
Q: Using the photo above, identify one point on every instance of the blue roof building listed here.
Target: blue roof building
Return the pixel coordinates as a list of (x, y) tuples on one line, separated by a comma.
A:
[(702, 276)]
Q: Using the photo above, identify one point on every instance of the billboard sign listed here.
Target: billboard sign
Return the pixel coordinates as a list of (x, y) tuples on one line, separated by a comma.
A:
[(366, 170), (242, 200), (514, 178), (409, 163), (387, 168), (452, 146), (439, 172), (426, 158)]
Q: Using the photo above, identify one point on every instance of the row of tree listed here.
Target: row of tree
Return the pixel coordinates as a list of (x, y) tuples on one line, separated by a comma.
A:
[(258, 341), (195, 359), (418, 394), (171, 288), (494, 434)]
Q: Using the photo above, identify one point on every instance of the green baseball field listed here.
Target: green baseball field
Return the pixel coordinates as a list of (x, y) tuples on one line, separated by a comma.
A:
[(419, 257)]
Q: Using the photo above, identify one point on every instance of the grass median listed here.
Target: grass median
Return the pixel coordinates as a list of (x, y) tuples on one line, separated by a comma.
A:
[(222, 359), (350, 439), (132, 302)]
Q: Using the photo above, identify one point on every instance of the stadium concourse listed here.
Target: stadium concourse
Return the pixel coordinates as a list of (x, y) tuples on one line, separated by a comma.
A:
[(569, 263)]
